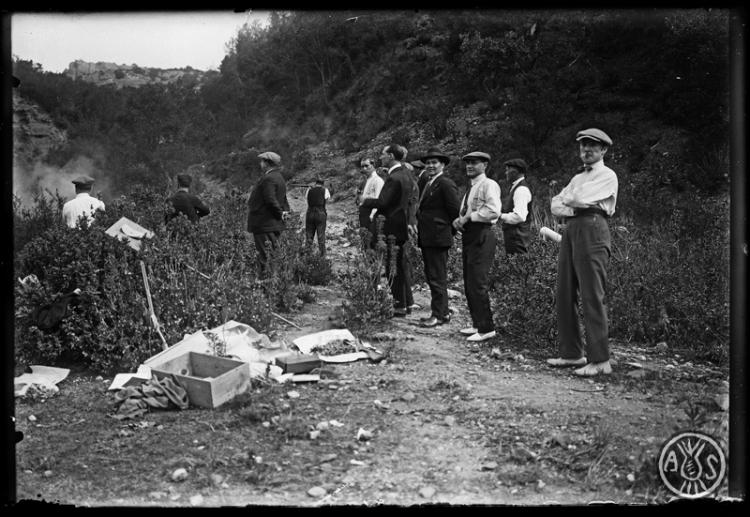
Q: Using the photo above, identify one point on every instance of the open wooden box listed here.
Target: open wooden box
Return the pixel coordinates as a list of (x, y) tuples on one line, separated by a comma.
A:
[(209, 380)]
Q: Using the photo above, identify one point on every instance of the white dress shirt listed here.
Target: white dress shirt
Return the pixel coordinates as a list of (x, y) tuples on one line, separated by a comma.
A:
[(484, 202), (596, 188), (82, 204), (372, 188), (521, 200)]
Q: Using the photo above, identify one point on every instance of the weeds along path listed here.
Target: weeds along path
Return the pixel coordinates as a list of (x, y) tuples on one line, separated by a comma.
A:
[(447, 423)]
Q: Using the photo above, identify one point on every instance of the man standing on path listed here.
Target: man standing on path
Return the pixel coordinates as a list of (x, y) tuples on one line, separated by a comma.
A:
[(268, 207), (480, 210), (438, 207), (516, 217), (587, 202), (83, 205), (186, 203), (371, 190), (315, 218), (394, 204)]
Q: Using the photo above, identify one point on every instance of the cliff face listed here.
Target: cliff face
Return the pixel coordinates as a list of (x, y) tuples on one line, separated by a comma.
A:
[(34, 133), (102, 73)]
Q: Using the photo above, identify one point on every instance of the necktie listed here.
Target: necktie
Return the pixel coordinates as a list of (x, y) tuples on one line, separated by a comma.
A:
[(465, 207), (424, 190), (587, 168)]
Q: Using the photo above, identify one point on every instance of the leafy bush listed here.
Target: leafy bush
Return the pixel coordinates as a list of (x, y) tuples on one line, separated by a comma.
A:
[(369, 301), (314, 270)]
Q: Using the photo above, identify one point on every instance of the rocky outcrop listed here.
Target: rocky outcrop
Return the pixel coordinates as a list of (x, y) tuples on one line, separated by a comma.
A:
[(34, 133), (102, 73)]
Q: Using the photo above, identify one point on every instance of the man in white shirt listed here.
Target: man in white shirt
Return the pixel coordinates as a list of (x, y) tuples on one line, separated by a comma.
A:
[(83, 205), (587, 202), (480, 210), (516, 220), (371, 190)]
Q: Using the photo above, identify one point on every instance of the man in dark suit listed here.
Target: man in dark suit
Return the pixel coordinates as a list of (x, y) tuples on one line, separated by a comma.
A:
[(186, 203), (438, 207), (268, 207), (394, 203)]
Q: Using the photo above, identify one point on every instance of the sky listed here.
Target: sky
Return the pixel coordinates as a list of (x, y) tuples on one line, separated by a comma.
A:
[(147, 39)]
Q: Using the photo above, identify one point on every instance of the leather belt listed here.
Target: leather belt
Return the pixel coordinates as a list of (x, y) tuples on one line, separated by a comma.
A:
[(590, 211)]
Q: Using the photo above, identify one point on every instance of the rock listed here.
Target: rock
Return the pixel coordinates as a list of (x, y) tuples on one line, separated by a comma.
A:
[(452, 293), (196, 500), (631, 477), (540, 485), (179, 475), (450, 420), (722, 400), (490, 465), (157, 495), (363, 435), (408, 396), (662, 347), (99, 378), (47, 473), (216, 479), (293, 394), (328, 457), (31, 418), (335, 423), (322, 426), (314, 434), (427, 492), (317, 491), (637, 374)]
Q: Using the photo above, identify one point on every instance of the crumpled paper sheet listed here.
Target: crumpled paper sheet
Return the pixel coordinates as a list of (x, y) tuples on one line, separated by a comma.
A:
[(46, 376)]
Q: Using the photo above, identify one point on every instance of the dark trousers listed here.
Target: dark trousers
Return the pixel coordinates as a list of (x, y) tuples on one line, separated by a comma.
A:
[(478, 253), (436, 272), (315, 222), (260, 245), (582, 267), (401, 283), (365, 225)]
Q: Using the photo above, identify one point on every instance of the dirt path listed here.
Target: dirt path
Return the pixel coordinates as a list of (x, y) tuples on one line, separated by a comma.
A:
[(449, 423)]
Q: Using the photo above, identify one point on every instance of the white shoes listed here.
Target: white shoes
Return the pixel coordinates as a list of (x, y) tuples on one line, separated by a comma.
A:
[(559, 361), (469, 331), (593, 369), (481, 337)]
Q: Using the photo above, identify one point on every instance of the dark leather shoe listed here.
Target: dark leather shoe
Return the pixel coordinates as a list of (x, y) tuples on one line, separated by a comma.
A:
[(426, 318), (431, 322), (400, 313)]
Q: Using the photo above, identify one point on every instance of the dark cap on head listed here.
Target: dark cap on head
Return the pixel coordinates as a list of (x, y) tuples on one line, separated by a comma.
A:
[(319, 180), (594, 134), (436, 152), (184, 180), (83, 181), (517, 163)]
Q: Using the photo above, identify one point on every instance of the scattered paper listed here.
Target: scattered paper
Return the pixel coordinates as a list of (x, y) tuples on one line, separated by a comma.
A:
[(306, 344), (344, 358), (45, 376)]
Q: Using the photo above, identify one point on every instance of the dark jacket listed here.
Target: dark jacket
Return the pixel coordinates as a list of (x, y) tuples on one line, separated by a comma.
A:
[(267, 203), (438, 208), (188, 204), (397, 198)]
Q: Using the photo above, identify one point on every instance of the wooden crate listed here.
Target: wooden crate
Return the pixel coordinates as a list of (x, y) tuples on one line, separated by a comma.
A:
[(298, 363), (209, 380)]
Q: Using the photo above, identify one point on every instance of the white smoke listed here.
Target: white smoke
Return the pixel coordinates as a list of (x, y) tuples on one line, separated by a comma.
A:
[(29, 180)]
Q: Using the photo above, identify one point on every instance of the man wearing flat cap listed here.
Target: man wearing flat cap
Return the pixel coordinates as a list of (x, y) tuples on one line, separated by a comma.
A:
[(83, 206), (480, 209), (185, 203), (316, 215), (586, 204), (515, 218), (395, 204), (437, 208), (268, 207)]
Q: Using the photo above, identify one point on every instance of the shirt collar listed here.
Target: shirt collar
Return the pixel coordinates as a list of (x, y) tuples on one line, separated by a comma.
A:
[(269, 170), (182, 189), (516, 182), (396, 166), (83, 194), (478, 179), (436, 176), (595, 166)]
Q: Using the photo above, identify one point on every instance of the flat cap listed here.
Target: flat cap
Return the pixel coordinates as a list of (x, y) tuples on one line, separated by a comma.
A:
[(517, 163), (476, 155), (271, 157), (83, 180), (594, 134)]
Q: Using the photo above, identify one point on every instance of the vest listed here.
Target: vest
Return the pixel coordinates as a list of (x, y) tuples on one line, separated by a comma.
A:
[(522, 230), (316, 197)]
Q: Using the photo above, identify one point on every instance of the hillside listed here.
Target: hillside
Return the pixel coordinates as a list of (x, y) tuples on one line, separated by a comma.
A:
[(102, 73)]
